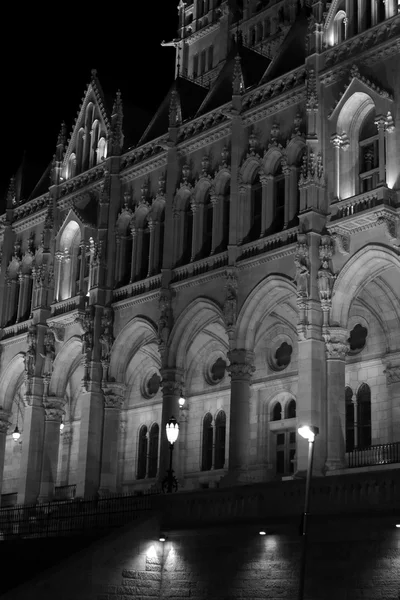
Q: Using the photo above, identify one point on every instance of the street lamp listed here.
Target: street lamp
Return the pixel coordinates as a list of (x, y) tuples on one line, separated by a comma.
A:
[(308, 432), (170, 482)]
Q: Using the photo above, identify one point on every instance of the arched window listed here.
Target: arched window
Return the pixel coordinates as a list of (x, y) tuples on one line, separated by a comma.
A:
[(207, 226), (207, 446), (277, 412), (350, 440), (291, 409), (339, 25), (71, 166), (285, 452), (256, 209), (369, 153), (144, 266), (364, 416), (159, 258), (153, 450), (79, 152), (187, 234), (94, 139), (101, 150), (381, 10), (142, 453), (368, 13), (126, 242), (220, 432), (226, 216), (68, 281)]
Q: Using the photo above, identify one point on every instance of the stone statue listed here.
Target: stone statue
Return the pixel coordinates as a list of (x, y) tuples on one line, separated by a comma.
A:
[(325, 280), (49, 354), (230, 306), (302, 277), (30, 361)]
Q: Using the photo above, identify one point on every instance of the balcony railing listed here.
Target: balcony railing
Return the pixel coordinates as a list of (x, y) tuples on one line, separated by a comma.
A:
[(379, 454)]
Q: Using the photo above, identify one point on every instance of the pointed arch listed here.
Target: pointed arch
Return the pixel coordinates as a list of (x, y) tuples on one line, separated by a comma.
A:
[(65, 363), (271, 291), (11, 379), (271, 159), (369, 262), (249, 168), (295, 150), (222, 180), (138, 332), (200, 313)]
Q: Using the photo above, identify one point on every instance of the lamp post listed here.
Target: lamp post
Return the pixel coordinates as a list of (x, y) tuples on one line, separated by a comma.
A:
[(308, 432), (170, 482)]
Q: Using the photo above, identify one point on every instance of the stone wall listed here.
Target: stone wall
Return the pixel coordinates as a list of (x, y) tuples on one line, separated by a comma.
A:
[(348, 557)]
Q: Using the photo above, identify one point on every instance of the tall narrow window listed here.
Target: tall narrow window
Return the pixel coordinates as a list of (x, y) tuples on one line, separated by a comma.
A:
[(202, 62), (145, 250), (187, 234), (210, 57), (142, 453), (279, 208), (206, 462), (369, 154), (364, 416), (220, 432), (256, 208), (277, 412), (349, 419), (153, 450), (161, 243), (285, 452), (195, 65), (207, 226), (291, 409), (225, 226)]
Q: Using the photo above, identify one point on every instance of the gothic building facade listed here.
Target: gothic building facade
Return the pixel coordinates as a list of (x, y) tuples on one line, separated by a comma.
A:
[(244, 255)]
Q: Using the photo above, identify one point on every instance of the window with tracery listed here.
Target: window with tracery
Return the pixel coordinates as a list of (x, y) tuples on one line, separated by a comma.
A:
[(207, 445), (220, 434), (153, 450), (369, 154), (142, 453)]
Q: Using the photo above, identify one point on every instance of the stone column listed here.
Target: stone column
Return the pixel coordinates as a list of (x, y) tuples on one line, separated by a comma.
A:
[(197, 229), (172, 382), (264, 208), (217, 207), (155, 260), (240, 369), (336, 140), (4, 425), (53, 408), (336, 341), (134, 248), (350, 18), (380, 123), (20, 309), (66, 440), (288, 199), (392, 372), (59, 258), (150, 267), (32, 449), (113, 402), (89, 451)]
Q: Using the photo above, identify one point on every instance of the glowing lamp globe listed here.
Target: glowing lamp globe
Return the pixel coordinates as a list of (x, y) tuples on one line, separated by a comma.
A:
[(16, 434), (172, 429), (308, 432)]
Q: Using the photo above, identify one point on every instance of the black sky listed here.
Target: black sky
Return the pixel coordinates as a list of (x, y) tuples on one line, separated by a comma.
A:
[(46, 59)]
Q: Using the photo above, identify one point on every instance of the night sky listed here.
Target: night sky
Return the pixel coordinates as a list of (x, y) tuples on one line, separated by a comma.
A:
[(46, 59)]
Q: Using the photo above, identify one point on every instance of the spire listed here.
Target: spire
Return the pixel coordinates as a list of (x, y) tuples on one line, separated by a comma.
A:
[(175, 112), (11, 196), (62, 136), (237, 83), (117, 118)]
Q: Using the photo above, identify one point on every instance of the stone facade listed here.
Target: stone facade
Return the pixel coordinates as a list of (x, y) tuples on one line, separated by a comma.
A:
[(245, 258)]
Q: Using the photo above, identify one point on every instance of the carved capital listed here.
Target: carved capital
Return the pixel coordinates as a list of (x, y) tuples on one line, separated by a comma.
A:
[(241, 364), (54, 409), (113, 400), (172, 381), (336, 343)]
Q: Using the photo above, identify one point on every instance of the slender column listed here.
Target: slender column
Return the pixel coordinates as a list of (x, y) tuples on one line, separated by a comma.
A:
[(59, 257), (392, 372), (134, 251), (172, 381), (293, 187), (109, 466), (336, 350), (21, 296), (288, 199), (350, 18), (14, 300), (336, 142), (178, 227), (118, 262), (391, 8), (82, 246), (240, 369), (264, 208), (150, 268), (217, 202), (4, 425), (53, 408), (380, 123), (89, 452), (197, 224), (32, 449), (182, 440)]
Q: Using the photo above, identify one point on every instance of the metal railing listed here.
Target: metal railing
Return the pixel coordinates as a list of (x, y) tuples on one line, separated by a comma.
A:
[(64, 492), (379, 454), (69, 517)]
